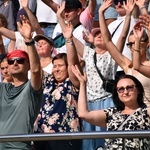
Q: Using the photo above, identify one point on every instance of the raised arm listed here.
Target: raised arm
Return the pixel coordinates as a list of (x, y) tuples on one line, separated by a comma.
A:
[(92, 6), (145, 70), (142, 7), (95, 117), (72, 55), (35, 67), (128, 6), (32, 18), (51, 4), (121, 60)]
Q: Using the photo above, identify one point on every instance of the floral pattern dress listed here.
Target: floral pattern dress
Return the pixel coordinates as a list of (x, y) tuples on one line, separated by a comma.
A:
[(139, 120), (59, 110)]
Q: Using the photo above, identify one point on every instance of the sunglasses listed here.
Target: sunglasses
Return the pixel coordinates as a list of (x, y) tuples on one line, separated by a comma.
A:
[(117, 1), (130, 44), (18, 60), (129, 88)]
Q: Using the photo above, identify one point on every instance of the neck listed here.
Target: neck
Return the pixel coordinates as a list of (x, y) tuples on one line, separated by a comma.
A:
[(100, 50), (45, 61), (130, 109), (19, 80)]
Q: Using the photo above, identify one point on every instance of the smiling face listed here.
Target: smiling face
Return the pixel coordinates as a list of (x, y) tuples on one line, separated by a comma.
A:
[(127, 91), (119, 8), (60, 71)]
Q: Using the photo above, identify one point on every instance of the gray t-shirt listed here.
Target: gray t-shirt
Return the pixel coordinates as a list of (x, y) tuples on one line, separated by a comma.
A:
[(19, 107)]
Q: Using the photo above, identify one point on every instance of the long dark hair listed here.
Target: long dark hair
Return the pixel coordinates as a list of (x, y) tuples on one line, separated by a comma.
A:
[(118, 103)]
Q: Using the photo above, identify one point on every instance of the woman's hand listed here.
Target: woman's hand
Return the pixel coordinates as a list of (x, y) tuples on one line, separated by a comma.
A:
[(105, 5), (77, 73), (128, 6)]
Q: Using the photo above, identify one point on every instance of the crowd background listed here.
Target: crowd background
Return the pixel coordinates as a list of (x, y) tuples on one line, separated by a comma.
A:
[(112, 36)]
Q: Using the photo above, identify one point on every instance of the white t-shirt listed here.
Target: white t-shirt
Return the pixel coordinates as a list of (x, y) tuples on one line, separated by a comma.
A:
[(77, 33)]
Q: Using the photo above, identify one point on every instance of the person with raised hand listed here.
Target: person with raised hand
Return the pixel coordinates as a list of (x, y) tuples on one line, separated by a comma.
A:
[(20, 102), (122, 60), (129, 112), (140, 63)]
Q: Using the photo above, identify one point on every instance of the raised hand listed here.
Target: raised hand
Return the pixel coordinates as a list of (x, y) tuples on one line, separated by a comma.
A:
[(105, 5), (77, 73), (138, 30), (129, 5), (67, 32), (25, 28), (140, 3), (24, 3), (60, 9), (88, 37), (145, 21)]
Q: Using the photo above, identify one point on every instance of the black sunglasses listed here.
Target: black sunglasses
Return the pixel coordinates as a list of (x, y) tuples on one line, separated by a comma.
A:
[(121, 2), (130, 44), (18, 60), (129, 88)]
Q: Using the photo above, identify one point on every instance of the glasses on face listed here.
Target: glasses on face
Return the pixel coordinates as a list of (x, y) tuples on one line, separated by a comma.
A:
[(130, 44), (117, 1), (18, 60), (129, 88)]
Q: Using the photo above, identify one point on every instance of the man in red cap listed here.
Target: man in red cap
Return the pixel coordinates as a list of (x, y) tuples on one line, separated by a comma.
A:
[(20, 102)]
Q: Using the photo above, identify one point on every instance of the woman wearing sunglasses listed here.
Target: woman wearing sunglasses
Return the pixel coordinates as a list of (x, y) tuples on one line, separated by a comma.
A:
[(125, 63), (129, 113)]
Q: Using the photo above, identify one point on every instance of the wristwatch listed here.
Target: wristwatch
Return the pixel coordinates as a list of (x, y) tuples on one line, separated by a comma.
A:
[(30, 42)]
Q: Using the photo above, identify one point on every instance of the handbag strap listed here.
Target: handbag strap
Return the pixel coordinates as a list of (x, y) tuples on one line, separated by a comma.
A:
[(116, 29), (95, 60), (120, 127)]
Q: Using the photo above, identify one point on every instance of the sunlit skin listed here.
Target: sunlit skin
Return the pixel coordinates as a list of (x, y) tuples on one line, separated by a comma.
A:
[(72, 15), (44, 48), (98, 40), (60, 71), (4, 71), (120, 10), (143, 46), (128, 98), (17, 69)]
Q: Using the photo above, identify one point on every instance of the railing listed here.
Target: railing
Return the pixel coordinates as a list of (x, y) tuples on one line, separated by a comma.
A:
[(78, 135)]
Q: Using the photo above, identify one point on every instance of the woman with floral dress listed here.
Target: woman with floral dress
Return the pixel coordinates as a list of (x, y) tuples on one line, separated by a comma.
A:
[(59, 110)]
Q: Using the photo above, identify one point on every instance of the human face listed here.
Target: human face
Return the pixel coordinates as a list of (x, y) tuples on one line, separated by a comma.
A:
[(131, 45), (60, 71), (44, 49), (17, 65), (4, 69), (98, 40), (72, 15), (127, 91), (119, 7)]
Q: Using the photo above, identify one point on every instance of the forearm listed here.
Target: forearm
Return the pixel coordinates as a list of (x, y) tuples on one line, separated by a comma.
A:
[(33, 21), (51, 4), (35, 66), (136, 55), (124, 33), (143, 10), (8, 33), (72, 58), (82, 101), (104, 30), (92, 6)]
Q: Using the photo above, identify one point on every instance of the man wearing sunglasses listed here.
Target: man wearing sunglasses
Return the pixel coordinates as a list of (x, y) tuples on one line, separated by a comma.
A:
[(20, 102)]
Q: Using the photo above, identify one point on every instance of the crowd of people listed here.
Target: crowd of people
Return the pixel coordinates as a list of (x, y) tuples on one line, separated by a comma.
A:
[(54, 57)]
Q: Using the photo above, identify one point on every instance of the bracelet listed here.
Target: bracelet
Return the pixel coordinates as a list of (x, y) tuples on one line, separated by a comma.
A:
[(142, 7), (69, 41), (32, 42), (136, 50)]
